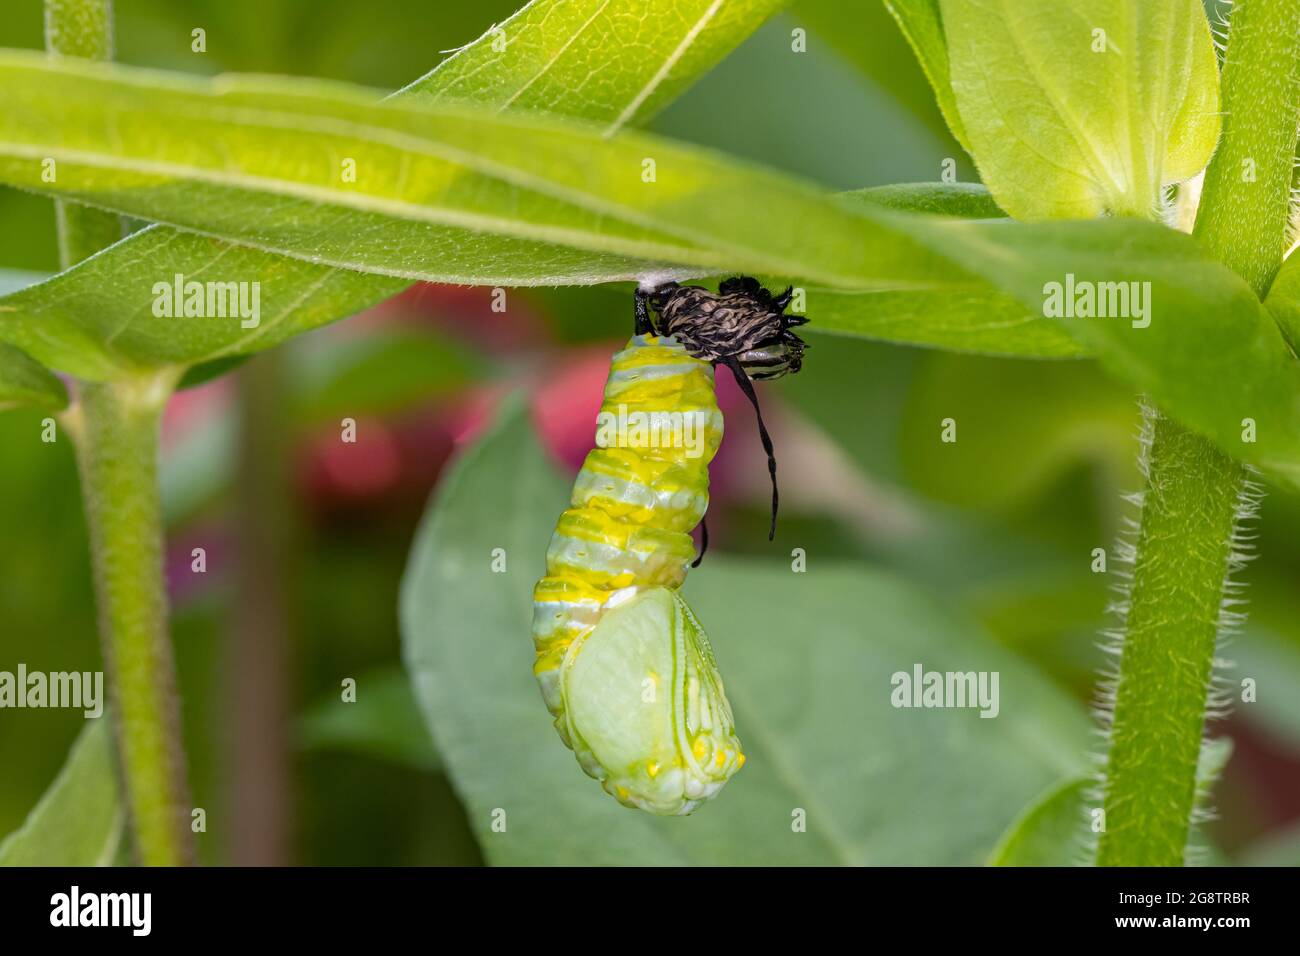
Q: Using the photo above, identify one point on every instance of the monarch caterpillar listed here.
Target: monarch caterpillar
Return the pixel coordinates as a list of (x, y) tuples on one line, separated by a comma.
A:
[(624, 666)]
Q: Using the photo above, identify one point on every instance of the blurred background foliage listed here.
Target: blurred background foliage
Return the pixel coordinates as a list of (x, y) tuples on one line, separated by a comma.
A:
[(1000, 525)]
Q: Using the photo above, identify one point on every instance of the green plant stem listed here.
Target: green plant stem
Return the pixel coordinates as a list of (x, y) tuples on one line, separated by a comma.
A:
[(1245, 200), (1183, 549), (116, 428), (1189, 514), (81, 28)]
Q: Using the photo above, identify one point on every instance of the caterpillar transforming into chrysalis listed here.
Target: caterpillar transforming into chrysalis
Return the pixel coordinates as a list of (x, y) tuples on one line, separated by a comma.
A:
[(624, 666)]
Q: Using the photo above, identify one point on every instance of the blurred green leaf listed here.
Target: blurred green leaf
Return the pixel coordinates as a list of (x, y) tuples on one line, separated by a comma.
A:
[(1051, 831), (914, 786), (383, 721), (1273, 663), (384, 371), (25, 381), (78, 822), (780, 91), (1036, 87), (197, 465), (384, 42), (856, 395), (1019, 426), (1279, 848), (46, 605), (922, 24), (864, 34)]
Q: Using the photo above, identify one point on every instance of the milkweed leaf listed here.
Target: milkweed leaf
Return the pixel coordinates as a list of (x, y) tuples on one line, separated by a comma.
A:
[(541, 57), (382, 722), (1037, 87), (628, 59), (25, 382), (922, 24), (800, 797), (79, 820), (1050, 832)]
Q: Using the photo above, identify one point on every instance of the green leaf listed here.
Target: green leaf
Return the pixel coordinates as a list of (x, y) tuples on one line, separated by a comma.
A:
[(260, 161), (1050, 832), (24, 381), (1210, 355), (877, 784), (1283, 301), (628, 59), (922, 24), (96, 319), (831, 242), (382, 722), (1083, 107), (978, 319), (102, 325), (208, 370), (79, 820), (962, 200)]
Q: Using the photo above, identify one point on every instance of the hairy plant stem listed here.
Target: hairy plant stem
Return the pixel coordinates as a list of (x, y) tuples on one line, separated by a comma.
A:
[(1184, 548), (1181, 563), (116, 429), (115, 426)]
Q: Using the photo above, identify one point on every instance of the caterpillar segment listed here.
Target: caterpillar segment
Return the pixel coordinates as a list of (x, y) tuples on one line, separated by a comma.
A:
[(624, 666)]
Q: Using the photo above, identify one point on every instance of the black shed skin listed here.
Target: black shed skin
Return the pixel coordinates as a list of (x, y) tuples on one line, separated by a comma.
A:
[(741, 321), (742, 326)]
